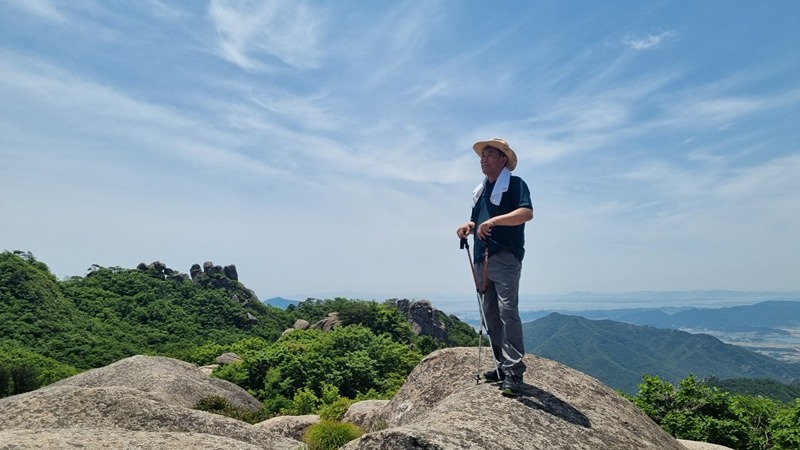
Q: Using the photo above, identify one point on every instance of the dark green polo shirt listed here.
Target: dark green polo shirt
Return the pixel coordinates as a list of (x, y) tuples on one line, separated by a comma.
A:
[(503, 237)]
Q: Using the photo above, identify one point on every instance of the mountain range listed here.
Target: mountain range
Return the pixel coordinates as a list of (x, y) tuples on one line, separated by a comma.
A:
[(620, 353), (771, 316)]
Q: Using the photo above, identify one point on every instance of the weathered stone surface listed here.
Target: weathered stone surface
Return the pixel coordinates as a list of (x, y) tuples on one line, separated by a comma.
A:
[(442, 407), (112, 411), (694, 445), (84, 439), (301, 324), (289, 426), (195, 270), (231, 272), (423, 318), (163, 379), (328, 323), (367, 414), (228, 358), (209, 369)]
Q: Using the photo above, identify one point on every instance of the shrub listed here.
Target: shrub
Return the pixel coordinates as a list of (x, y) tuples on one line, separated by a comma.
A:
[(219, 405), (330, 435), (335, 410)]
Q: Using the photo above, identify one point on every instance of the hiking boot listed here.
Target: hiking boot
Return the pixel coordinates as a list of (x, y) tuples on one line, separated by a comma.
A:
[(490, 376), (512, 386)]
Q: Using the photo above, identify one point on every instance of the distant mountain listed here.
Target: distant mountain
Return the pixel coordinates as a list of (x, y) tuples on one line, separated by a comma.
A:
[(769, 316), (280, 302), (620, 353), (765, 315)]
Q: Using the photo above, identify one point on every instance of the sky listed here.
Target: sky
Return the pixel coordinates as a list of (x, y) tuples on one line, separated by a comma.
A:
[(325, 148)]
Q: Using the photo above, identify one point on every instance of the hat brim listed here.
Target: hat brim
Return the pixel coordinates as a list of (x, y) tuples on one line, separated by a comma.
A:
[(511, 156)]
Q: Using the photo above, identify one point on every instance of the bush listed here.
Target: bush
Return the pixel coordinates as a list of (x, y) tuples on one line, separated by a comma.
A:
[(219, 405), (335, 410), (330, 435)]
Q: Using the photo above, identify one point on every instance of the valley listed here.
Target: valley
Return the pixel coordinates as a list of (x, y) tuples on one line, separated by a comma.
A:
[(783, 346)]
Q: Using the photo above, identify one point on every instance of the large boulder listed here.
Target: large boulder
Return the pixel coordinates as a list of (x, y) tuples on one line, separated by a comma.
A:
[(367, 414), (83, 439), (441, 407), (694, 445), (424, 318), (165, 380), (328, 323), (80, 417), (289, 426)]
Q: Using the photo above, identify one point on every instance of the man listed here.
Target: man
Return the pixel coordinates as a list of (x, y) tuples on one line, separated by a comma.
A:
[(501, 205)]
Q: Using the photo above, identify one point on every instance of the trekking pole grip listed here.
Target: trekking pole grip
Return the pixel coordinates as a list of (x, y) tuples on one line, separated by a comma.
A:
[(464, 243)]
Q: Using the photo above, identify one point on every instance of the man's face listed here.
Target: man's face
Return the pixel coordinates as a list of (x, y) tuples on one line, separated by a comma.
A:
[(492, 162)]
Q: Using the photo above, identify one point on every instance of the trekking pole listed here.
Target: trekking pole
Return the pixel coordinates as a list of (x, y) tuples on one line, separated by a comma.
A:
[(481, 293)]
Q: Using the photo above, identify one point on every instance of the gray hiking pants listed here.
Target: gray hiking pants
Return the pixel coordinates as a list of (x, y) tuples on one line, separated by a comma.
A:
[(501, 309)]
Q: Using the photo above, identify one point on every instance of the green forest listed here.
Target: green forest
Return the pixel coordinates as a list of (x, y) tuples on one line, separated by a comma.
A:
[(53, 329)]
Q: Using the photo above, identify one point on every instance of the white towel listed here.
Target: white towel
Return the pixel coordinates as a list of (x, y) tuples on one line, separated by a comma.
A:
[(500, 186)]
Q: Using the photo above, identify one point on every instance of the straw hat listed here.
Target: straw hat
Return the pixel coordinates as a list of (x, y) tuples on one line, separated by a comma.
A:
[(501, 145)]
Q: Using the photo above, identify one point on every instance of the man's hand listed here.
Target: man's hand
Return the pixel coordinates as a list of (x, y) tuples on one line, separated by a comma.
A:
[(485, 229), (464, 230)]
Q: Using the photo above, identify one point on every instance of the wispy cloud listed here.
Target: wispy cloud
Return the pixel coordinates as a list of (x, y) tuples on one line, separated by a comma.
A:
[(97, 114), (260, 36), (46, 9), (648, 41)]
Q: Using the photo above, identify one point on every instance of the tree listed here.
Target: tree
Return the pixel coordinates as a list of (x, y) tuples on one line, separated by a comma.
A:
[(351, 359), (692, 411), (785, 428)]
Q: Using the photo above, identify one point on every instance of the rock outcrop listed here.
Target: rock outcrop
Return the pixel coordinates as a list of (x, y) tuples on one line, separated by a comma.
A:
[(146, 403), (290, 426), (424, 318), (137, 403), (442, 407), (328, 323), (367, 414), (209, 274), (228, 358), (694, 445), (164, 380)]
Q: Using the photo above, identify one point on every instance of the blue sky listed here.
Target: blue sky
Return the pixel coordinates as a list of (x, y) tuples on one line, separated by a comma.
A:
[(325, 147)]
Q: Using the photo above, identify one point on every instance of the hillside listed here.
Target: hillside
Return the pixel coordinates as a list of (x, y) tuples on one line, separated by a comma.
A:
[(619, 353), (112, 313), (52, 329)]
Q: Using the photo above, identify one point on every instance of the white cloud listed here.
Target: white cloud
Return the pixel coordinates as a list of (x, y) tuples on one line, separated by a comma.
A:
[(108, 121), (648, 41), (257, 35)]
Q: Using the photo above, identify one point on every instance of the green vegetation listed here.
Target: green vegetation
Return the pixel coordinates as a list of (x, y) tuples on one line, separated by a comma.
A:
[(23, 371), (219, 405), (697, 412), (352, 359), (113, 313), (54, 329), (330, 435), (757, 387)]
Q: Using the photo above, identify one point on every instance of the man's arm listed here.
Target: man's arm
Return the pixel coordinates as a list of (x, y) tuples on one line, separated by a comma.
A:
[(514, 218)]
